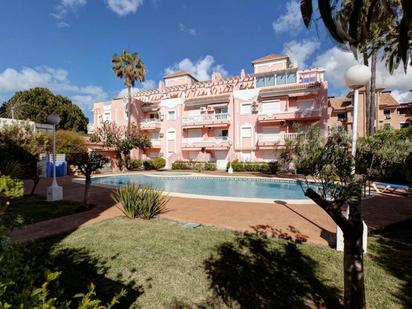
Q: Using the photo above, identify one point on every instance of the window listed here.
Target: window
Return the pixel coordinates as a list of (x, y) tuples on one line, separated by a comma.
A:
[(171, 135), (221, 110), (246, 109), (270, 80), (222, 133), (387, 113), (171, 115), (260, 81), (280, 79), (154, 116), (246, 132), (342, 116), (271, 107), (291, 78), (404, 125)]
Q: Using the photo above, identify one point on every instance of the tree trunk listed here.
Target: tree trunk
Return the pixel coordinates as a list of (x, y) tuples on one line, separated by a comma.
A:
[(129, 109), (354, 285), (36, 180), (367, 109), (87, 183), (372, 109)]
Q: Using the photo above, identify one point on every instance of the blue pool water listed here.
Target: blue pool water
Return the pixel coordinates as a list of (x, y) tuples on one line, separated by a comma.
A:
[(220, 186)]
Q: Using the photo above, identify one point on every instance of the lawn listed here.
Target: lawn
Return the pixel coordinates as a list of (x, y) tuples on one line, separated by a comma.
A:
[(32, 209), (162, 264)]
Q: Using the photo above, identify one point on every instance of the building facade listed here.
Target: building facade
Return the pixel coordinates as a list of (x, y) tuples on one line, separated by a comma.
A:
[(389, 112), (248, 117)]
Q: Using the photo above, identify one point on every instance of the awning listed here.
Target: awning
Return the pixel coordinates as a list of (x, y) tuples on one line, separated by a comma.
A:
[(209, 100), (289, 90)]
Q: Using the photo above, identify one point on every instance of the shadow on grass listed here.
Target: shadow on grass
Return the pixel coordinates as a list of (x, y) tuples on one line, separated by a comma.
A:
[(256, 272), (79, 269), (393, 251)]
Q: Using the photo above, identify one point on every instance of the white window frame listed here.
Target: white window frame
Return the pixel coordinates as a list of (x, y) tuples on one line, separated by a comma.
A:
[(249, 112), (173, 137), (242, 132), (171, 112)]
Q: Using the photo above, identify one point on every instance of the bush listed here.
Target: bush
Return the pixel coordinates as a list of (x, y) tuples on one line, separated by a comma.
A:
[(263, 167), (154, 164), (135, 164), (140, 201), (194, 165)]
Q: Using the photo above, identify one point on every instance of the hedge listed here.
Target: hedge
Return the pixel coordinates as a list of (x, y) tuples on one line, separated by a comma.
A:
[(263, 167), (194, 165), (154, 164)]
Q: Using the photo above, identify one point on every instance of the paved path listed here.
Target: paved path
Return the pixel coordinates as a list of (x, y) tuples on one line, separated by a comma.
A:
[(307, 221)]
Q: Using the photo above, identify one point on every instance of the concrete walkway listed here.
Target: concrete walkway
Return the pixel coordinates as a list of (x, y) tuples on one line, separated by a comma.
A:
[(309, 222)]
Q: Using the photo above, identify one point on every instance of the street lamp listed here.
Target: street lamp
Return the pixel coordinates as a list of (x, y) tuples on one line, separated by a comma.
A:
[(355, 77), (54, 192)]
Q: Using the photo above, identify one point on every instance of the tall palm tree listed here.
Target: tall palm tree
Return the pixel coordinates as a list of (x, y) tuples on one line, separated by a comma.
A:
[(130, 67)]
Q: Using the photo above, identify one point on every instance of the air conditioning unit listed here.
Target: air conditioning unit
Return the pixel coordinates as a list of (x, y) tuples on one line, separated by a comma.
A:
[(254, 107), (203, 109)]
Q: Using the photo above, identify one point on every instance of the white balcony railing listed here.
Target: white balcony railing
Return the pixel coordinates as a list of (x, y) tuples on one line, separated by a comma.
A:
[(204, 142), (149, 122), (155, 142), (206, 118), (279, 137)]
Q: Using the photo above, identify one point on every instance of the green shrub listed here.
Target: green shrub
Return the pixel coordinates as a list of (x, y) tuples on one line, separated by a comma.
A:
[(9, 188), (181, 165), (135, 164), (194, 165), (154, 164), (158, 163), (263, 167), (140, 201)]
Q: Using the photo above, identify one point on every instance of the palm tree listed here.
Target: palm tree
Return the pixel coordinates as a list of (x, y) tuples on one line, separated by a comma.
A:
[(368, 26), (130, 67)]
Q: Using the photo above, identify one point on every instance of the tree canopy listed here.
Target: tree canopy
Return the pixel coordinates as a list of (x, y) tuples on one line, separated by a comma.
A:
[(37, 103)]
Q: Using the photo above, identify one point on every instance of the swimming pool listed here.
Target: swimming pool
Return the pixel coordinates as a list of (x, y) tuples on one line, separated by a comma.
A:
[(236, 187)]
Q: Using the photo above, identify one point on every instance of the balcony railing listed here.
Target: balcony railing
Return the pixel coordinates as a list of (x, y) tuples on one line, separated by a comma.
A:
[(150, 123), (155, 142), (221, 118), (214, 142), (278, 138), (291, 115)]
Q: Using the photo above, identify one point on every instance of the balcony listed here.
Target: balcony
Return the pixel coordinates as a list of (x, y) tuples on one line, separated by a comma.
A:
[(155, 142), (207, 120), (150, 124), (278, 139), (291, 115), (220, 142)]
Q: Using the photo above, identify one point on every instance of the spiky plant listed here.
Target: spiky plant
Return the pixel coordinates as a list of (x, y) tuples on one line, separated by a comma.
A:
[(129, 67), (140, 201)]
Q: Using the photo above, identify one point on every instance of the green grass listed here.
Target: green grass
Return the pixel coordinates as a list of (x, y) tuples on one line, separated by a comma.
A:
[(32, 209), (164, 265)]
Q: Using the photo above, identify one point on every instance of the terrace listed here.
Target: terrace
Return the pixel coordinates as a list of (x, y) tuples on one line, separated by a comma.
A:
[(212, 120), (150, 124), (219, 142), (279, 139)]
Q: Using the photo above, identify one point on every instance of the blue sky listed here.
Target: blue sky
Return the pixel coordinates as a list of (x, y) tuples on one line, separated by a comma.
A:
[(67, 45)]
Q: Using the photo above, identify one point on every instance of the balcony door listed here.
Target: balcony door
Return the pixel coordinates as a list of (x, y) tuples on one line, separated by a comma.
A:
[(271, 133), (194, 135), (271, 107)]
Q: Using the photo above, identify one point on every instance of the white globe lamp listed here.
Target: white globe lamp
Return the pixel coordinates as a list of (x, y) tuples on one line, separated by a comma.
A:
[(54, 192), (357, 76)]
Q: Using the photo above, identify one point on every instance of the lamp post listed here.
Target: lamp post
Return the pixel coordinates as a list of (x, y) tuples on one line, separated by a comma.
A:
[(355, 77), (54, 192)]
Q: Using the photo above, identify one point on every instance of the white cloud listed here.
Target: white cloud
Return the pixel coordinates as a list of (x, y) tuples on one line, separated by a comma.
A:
[(401, 96), (291, 21), (335, 61), (191, 31), (124, 7), (300, 51), (63, 8), (12, 80), (202, 69), (62, 24), (72, 3)]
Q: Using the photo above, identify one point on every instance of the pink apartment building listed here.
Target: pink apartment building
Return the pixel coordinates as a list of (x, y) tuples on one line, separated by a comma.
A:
[(246, 117)]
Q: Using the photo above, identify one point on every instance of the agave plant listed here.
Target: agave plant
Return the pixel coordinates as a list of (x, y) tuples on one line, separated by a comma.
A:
[(140, 201)]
